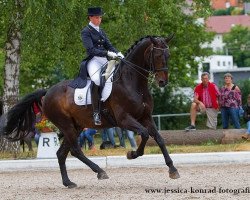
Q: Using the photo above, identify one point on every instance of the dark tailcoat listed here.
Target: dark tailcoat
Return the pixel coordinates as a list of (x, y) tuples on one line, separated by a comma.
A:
[(96, 44)]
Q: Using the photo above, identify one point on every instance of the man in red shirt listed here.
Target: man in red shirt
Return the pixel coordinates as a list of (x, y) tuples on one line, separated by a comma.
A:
[(206, 96)]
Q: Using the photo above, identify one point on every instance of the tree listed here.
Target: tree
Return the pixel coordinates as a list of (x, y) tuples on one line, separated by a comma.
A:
[(11, 68), (238, 45), (52, 49), (244, 86)]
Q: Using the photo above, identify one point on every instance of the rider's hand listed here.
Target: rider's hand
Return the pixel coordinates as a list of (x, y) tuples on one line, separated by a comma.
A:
[(120, 55), (112, 54)]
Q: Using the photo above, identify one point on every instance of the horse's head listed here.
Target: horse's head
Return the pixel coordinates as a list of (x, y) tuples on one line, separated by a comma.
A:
[(158, 55)]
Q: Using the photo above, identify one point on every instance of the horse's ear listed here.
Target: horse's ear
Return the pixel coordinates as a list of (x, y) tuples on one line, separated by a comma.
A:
[(153, 40), (169, 38)]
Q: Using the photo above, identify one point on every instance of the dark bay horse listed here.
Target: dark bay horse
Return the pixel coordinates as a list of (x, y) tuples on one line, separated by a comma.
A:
[(130, 105)]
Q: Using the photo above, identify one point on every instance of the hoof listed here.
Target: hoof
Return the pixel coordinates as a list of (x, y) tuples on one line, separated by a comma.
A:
[(131, 155), (174, 175), (102, 175), (70, 185)]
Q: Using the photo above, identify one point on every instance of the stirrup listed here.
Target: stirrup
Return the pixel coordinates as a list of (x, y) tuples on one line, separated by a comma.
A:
[(97, 119)]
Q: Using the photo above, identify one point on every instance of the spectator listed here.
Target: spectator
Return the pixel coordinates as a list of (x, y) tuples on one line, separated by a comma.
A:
[(122, 133), (37, 136), (230, 102), (206, 96), (246, 117), (87, 134), (38, 115), (108, 136)]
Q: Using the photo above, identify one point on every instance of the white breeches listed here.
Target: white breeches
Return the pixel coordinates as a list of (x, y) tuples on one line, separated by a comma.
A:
[(94, 68)]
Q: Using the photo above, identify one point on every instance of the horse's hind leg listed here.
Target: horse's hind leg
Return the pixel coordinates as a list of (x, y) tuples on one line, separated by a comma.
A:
[(77, 152), (140, 149), (133, 125), (62, 155)]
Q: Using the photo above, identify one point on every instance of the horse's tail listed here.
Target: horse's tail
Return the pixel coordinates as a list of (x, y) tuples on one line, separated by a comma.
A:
[(20, 119)]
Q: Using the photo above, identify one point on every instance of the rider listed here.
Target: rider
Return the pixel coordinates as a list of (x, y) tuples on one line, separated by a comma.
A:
[(98, 49)]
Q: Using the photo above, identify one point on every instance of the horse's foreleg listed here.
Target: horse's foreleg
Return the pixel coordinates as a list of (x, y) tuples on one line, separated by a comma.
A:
[(173, 172), (62, 155), (77, 152)]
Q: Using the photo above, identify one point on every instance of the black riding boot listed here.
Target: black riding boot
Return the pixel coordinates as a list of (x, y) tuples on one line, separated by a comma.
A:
[(95, 98)]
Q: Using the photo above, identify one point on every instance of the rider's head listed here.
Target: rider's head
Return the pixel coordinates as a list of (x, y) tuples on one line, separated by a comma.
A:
[(95, 15)]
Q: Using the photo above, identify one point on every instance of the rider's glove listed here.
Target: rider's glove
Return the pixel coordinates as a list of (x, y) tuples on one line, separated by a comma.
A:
[(112, 54), (120, 55)]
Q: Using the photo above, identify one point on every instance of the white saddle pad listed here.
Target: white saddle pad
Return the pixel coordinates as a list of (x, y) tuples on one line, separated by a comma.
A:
[(83, 96)]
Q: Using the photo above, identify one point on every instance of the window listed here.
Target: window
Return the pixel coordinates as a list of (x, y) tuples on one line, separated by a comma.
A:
[(224, 63), (218, 63), (205, 67)]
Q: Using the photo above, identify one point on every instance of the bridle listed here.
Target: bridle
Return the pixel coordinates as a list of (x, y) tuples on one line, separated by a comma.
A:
[(152, 68), (151, 59)]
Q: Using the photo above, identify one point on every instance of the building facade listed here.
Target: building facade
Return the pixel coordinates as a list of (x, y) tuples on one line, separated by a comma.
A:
[(224, 4)]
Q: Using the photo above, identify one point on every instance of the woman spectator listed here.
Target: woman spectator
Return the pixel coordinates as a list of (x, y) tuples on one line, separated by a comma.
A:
[(230, 101)]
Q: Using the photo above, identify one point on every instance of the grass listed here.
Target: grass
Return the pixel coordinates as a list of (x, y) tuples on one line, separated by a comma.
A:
[(206, 147)]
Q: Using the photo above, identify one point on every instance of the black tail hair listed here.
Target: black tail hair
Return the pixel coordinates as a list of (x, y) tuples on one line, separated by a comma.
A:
[(20, 119)]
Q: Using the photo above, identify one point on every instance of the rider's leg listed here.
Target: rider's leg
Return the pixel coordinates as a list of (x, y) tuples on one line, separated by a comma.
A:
[(94, 68), (95, 98)]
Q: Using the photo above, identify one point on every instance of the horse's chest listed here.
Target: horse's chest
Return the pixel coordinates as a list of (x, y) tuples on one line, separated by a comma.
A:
[(141, 107)]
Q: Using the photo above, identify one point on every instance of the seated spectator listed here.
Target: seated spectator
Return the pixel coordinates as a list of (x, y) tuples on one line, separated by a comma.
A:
[(87, 134), (206, 96), (108, 138), (246, 117)]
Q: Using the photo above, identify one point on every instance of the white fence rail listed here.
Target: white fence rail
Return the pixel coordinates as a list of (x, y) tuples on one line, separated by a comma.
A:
[(168, 115)]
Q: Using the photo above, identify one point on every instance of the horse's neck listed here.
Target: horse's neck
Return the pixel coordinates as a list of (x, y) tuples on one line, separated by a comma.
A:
[(133, 74), (134, 78)]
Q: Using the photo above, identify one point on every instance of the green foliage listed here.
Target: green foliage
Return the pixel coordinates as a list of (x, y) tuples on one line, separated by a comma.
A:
[(220, 12), (210, 143), (165, 96), (238, 44), (51, 47), (245, 90), (228, 11), (237, 11), (165, 101), (51, 43)]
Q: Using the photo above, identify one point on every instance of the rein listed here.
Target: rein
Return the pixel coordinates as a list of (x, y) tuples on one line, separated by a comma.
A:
[(152, 68), (134, 66)]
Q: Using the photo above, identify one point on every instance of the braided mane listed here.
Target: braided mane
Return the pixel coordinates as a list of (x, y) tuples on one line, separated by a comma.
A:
[(138, 42)]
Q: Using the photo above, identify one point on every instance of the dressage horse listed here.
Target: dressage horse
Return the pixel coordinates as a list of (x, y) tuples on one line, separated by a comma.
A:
[(130, 105)]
